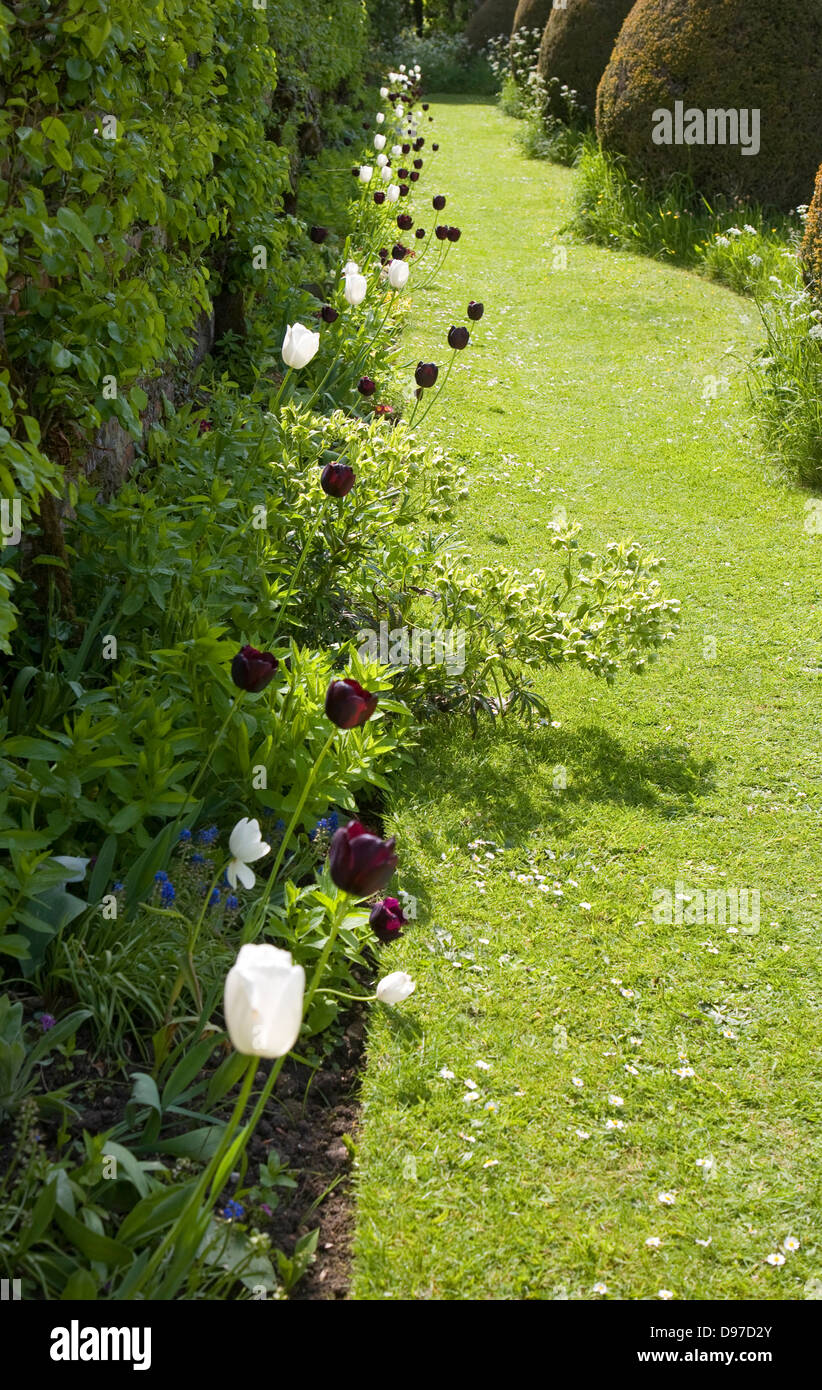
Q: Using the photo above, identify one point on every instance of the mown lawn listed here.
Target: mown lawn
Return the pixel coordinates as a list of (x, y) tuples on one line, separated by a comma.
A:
[(585, 388)]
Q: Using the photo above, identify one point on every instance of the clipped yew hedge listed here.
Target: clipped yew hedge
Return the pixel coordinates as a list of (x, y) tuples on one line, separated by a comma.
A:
[(494, 17), (726, 55), (532, 14), (577, 44)]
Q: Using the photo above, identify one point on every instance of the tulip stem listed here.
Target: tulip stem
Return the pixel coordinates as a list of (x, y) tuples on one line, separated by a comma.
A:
[(295, 576), (278, 398), (259, 911), (336, 923)]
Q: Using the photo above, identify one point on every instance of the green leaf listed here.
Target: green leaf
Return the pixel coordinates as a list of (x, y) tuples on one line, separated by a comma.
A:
[(81, 1285), (186, 1070), (71, 222), (78, 69), (94, 1246)]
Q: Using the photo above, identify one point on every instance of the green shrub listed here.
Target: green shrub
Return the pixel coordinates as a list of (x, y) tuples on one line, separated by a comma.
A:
[(786, 389), (448, 62), (812, 241), (737, 56), (532, 14), (493, 17), (153, 149), (576, 44)]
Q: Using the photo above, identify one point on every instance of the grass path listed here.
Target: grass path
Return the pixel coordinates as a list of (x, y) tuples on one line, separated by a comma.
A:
[(583, 389)]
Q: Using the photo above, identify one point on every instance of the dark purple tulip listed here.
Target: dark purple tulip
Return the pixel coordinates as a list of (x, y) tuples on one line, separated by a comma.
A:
[(475, 311), (414, 175), (387, 920), (366, 386), (379, 197), (404, 190), (419, 233), (454, 233), (417, 163), (360, 863), (438, 202), (441, 233), (405, 222), (399, 252), (337, 479), (402, 173), (426, 373), (435, 147), (419, 142), (347, 705), (328, 314), (356, 171), (431, 119), (318, 235), (406, 149), (252, 670), (458, 337), (425, 105), (366, 125)]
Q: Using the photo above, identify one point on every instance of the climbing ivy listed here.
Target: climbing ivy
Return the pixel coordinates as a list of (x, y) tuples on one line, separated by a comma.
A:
[(147, 149)]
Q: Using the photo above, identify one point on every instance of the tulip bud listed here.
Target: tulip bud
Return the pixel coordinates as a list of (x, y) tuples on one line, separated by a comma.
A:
[(387, 919), (347, 705), (366, 173), (382, 160), (379, 142), (441, 233), (404, 190), (398, 251), (395, 988), (454, 233), (402, 173), (318, 235), (385, 172), (263, 1001), (406, 149), (458, 337), (380, 117), (300, 345), (328, 314), (405, 222), (426, 373), (425, 105), (414, 175), (475, 310), (337, 479), (435, 147), (419, 142), (438, 202), (398, 272), (384, 93), (366, 386), (419, 233), (355, 287), (252, 670), (379, 197), (359, 862), (392, 193), (418, 163)]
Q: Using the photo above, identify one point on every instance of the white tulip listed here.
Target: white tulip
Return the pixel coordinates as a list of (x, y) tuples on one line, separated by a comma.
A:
[(380, 117), (402, 67), (396, 149), (76, 867), (366, 173), (299, 346), (355, 287), (350, 268), (398, 272), (392, 192), (395, 988), (379, 142), (399, 112), (382, 160), (385, 173), (264, 1001), (383, 92), (246, 842)]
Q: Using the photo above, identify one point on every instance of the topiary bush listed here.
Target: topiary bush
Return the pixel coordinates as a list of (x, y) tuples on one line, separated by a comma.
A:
[(532, 14), (811, 253), (492, 18), (730, 57), (576, 45)]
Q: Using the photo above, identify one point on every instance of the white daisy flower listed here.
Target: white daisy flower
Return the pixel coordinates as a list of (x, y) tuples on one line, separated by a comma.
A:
[(790, 1244), (615, 1100), (653, 1242), (577, 1081), (600, 1288), (666, 1198), (665, 1295), (775, 1259)]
